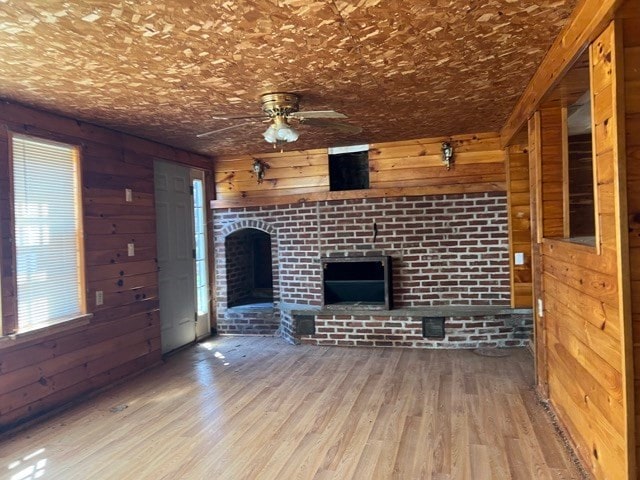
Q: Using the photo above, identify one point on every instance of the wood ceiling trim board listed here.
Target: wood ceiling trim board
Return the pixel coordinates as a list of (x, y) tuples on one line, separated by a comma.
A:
[(587, 21), (160, 70)]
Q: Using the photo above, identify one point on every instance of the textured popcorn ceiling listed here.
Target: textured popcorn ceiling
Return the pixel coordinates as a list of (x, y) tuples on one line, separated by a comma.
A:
[(401, 69)]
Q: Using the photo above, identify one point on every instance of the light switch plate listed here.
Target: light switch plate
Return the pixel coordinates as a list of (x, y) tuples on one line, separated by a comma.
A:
[(128, 195), (518, 258), (131, 249), (99, 297)]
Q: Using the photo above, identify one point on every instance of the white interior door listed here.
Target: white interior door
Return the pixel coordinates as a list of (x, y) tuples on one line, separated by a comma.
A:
[(175, 235)]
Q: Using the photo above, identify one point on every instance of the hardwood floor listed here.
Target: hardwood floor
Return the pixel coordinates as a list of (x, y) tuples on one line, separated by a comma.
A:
[(257, 408)]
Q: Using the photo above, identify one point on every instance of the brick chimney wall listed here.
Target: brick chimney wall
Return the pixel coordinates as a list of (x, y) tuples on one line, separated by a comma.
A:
[(446, 249)]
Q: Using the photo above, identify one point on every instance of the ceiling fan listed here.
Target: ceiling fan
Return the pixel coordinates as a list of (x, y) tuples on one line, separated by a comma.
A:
[(281, 109)]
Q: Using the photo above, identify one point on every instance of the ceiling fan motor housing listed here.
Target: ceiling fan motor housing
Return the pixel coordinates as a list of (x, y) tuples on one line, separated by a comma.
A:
[(279, 104)]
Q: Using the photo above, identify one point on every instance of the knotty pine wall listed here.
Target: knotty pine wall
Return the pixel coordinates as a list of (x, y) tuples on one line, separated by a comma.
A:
[(41, 372), (396, 169), (582, 287), (630, 20)]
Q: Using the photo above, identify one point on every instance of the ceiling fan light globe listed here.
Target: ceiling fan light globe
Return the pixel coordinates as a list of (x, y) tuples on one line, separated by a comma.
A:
[(293, 135), (271, 134), (287, 134)]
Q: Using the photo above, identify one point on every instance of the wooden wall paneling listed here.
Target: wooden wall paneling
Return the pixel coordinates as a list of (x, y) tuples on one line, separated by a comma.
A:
[(275, 187), (396, 168), (123, 336), (147, 358), (629, 16), (583, 287), (296, 162), (25, 366), (286, 173), (587, 21), (411, 177), (518, 190), (95, 360)]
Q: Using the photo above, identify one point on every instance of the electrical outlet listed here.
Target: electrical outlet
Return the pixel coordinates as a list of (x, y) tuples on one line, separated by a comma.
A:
[(131, 249), (128, 195), (540, 308), (99, 297), (518, 258)]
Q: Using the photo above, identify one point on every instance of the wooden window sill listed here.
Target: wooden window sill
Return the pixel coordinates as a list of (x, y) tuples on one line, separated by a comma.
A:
[(40, 332)]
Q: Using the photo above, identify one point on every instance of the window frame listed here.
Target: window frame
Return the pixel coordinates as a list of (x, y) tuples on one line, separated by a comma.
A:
[(543, 164), (566, 180), (11, 323), (197, 175)]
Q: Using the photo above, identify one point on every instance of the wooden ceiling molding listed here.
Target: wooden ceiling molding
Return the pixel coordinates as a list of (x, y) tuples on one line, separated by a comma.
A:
[(400, 69)]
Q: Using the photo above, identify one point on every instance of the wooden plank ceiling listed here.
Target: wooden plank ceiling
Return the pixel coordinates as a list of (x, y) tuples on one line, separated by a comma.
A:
[(401, 69)]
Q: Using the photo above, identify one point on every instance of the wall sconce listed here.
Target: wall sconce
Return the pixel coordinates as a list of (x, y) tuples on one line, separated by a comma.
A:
[(258, 169), (447, 154)]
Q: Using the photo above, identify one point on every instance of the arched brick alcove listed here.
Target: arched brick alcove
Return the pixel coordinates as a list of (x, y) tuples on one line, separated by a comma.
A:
[(249, 268), (246, 281)]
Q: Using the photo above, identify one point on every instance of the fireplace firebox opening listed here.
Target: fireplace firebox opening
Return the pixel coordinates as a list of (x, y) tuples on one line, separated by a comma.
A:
[(361, 282), (249, 268)]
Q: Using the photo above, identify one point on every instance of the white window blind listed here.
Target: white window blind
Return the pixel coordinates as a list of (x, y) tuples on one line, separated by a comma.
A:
[(47, 232)]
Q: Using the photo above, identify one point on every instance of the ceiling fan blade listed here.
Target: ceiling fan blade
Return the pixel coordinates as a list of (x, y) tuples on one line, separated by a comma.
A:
[(206, 134), (341, 127), (317, 114), (237, 117)]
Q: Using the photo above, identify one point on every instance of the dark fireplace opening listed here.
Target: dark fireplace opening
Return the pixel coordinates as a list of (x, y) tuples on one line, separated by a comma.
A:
[(363, 282), (249, 268)]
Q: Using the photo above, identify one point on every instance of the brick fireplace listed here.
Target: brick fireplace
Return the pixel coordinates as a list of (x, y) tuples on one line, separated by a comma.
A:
[(449, 255)]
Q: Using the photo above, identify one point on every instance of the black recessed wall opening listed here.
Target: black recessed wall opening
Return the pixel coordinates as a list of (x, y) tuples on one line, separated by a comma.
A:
[(357, 282), (433, 327), (349, 171), (305, 324)]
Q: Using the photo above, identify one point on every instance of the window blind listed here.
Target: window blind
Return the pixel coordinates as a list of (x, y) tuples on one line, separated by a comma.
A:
[(47, 232)]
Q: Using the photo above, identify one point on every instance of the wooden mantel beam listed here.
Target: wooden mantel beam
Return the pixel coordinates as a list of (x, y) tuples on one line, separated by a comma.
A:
[(587, 21)]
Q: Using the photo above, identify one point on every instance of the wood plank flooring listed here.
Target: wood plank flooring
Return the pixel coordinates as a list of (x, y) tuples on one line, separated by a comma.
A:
[(257, 408)]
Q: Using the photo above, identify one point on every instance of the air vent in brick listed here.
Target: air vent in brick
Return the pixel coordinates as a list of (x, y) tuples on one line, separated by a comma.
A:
[(305, 324), (433, 327)]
